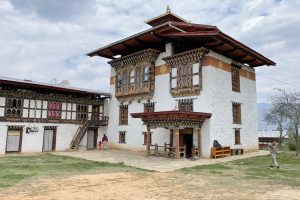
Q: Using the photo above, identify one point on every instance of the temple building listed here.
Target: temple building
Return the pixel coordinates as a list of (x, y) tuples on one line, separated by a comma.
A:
[(178, 87), (39, 117)]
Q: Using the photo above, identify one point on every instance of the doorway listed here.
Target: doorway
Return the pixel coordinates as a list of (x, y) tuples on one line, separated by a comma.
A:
[(49, 140), (92, 135), (14, 139), (186, 139)]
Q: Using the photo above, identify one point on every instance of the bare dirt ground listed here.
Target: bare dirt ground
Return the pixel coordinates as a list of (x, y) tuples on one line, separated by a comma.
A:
[(139, 160), (139, 186)]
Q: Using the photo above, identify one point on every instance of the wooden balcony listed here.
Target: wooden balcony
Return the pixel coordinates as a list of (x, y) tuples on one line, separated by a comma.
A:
[(102, 121)]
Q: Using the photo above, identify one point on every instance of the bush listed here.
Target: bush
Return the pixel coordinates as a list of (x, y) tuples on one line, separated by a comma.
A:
[(291, 144)]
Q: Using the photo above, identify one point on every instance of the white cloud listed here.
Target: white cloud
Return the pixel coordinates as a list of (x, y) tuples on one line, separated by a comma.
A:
[(40, 44)]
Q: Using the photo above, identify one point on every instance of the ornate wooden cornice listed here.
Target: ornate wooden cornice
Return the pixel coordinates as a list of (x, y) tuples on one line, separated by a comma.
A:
[(49, 97), (174, 118), (191, 56), (167, 123), (147, 55)]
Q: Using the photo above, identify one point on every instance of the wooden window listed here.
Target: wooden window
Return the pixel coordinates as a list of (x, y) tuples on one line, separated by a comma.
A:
[(235, 78), (124, 84), (145, 138), (13, 107), (185, 76), (122, 136), (237, 136), (236, 113), (119, 80), (185, 105), (123, 115), (147, 73), (82, 112), (149, 107), (54, 110), (134, 81), (132, 77)]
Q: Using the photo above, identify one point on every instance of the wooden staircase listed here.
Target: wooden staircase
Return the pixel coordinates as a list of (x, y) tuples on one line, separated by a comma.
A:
[(79, 134)]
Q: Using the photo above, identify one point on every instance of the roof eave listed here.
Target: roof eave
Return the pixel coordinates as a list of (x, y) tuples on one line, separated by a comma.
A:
[(96, 52)]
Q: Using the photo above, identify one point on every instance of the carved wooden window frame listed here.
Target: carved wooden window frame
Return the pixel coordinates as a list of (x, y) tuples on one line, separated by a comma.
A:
[(13, 107), (143, 85), (132, 77), (123, 115), (82, 112), (235, 78), (186, 105), (237, 136), (149, 107), (122, 137), (186, 72), (147, 73), (236, 113)]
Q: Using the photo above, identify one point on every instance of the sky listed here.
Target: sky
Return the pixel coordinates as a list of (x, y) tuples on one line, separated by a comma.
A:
[(42, 40)]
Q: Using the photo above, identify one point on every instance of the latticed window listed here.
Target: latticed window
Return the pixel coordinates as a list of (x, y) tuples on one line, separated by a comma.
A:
[(235, 78), (236, 113), (149, 107), (13, 107), (237, 136), (185, 105), (185, 76), (145, 138), (123, 115), (122, 135), (82, 112), (54, 110)]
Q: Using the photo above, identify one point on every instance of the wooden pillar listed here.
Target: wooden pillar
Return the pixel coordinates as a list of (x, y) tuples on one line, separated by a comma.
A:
[(199, 144), (177, 143), (148, 141)]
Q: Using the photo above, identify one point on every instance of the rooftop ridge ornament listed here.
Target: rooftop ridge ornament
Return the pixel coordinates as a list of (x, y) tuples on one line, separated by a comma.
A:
[(168, 16), (168, 10)]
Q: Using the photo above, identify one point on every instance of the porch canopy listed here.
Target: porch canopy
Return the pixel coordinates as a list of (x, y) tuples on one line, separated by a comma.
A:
[(173, 120)]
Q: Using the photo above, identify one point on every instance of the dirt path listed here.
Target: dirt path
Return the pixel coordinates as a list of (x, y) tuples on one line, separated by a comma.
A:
[(138, 159), (127, 186)]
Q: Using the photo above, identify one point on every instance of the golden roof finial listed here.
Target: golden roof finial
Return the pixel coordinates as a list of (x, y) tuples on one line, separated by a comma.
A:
[(168, 9)]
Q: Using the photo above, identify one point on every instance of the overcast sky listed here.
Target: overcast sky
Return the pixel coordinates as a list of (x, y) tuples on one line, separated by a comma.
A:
[(46, 39)]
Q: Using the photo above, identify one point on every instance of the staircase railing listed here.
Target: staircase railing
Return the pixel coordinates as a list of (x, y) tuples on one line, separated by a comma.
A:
[(79, 134)]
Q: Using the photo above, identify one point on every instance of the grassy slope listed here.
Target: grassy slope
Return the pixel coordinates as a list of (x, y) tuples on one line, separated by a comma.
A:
[(16, 168), (256, 168)]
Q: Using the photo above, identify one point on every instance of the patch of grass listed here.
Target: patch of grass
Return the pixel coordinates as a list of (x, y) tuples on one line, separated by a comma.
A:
[(17, 168), (256, 168)]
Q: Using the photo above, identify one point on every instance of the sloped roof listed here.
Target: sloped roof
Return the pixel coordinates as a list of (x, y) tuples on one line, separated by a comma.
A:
[(188, 34), (40, 85)]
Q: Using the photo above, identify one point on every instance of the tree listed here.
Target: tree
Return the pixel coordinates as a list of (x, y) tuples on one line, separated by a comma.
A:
[(289, 102), (276, 116)]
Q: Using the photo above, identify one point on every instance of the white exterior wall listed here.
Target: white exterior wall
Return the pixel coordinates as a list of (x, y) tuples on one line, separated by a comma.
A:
[(216, 97), (33, 142)]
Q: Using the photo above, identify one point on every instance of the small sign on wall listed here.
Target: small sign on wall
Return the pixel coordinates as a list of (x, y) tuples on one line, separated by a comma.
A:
[(32, 129)]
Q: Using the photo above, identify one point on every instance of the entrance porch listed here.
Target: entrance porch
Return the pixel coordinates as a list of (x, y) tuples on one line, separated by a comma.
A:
[(182, 126)]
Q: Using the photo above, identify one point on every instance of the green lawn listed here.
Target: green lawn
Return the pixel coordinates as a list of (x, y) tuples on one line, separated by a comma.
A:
[(16, 168), (256, 168)]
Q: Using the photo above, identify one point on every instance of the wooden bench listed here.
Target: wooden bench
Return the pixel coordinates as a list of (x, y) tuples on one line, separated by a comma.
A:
[(219, 152)]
